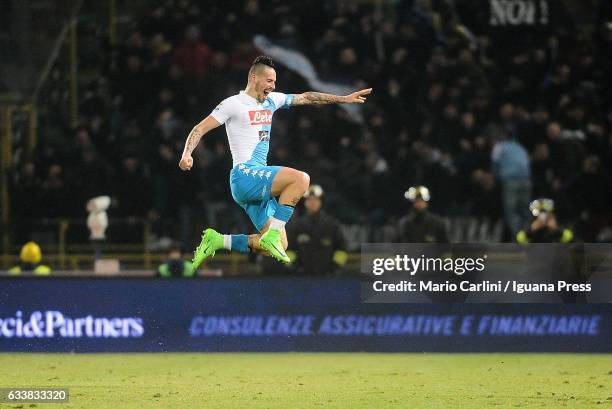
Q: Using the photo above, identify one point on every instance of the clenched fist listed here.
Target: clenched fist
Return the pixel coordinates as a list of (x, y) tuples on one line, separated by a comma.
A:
[(186, 163)]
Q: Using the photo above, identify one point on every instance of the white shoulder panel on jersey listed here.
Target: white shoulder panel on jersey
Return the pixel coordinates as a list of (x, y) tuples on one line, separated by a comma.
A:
[(223, 111)]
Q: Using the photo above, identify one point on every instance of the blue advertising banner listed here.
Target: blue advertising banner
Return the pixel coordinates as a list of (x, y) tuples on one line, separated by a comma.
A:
[(276, 314)]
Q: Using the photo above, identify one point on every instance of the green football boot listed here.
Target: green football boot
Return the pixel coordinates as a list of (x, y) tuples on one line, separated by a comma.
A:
[(271, 241), (211, 242)]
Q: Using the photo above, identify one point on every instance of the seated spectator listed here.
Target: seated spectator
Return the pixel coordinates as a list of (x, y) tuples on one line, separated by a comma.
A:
[(193, 55)]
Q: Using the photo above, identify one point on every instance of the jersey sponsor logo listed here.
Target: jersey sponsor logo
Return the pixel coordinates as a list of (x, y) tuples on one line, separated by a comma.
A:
[(261, 117), (264, 136)]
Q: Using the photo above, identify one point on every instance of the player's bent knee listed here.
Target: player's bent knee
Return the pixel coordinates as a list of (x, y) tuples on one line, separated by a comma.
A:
[(305, 181)]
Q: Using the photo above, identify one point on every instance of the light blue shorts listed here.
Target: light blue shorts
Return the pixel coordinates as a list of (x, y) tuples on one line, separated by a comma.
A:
[(251, 186)]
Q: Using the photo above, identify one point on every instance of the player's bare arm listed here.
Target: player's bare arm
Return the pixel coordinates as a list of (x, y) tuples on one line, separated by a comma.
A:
[(209, 123), (319, 98)]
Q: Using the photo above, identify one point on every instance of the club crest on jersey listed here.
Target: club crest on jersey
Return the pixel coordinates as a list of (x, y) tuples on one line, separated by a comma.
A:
[(262, 117), (264, 136)]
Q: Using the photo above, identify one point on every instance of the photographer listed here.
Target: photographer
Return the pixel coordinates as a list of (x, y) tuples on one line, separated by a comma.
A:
[(553, 262), (175, 266), (544, 227)]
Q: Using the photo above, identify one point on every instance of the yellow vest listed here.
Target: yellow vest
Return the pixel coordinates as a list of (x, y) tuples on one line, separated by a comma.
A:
[(40, 270)]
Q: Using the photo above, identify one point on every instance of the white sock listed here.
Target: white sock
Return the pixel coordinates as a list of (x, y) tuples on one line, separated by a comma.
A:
[(277, 224), (227, 241)]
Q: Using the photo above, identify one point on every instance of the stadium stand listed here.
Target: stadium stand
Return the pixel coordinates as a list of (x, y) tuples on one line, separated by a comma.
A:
[(448, 77)]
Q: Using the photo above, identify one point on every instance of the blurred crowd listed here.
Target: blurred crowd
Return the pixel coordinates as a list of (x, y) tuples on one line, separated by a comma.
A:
[(451, 79)]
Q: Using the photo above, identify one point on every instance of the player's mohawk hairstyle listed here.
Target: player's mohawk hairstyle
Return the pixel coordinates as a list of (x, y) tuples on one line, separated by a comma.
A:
[(265, 60)]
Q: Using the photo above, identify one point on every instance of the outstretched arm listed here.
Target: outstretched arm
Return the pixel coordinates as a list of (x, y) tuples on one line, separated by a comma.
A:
[(315, 98), (209, 123)]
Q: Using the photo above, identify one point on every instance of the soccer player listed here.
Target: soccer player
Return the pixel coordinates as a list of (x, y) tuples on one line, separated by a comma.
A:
[(255, 185)]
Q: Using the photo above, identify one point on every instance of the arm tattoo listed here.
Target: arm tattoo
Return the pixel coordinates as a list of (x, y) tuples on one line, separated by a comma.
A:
[(193, 139), (316, 98)]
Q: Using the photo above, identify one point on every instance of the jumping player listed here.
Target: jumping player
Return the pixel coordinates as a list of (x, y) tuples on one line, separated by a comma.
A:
[(255, 185)]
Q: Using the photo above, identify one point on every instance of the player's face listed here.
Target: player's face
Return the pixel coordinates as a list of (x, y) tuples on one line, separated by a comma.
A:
[(265, 82)]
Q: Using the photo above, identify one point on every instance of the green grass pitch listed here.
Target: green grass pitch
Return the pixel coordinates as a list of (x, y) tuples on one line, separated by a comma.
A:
[(308, 380)]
